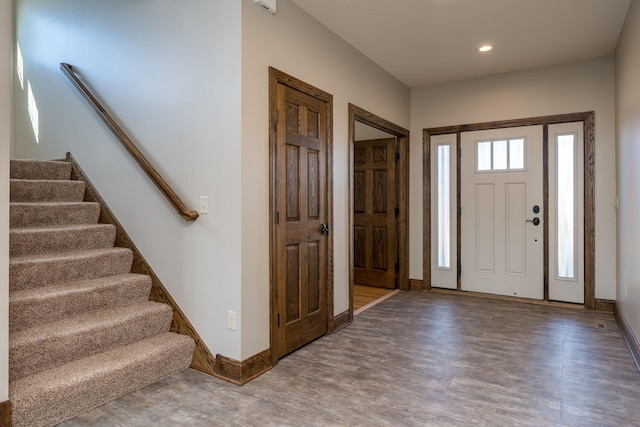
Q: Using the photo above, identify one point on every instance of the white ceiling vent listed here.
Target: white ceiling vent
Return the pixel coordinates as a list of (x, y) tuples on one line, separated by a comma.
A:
[(268, 5)]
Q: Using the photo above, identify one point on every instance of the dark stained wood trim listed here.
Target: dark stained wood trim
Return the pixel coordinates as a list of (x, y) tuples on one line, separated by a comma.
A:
[(203, 359), (278, 77), (426, 210), (402, 135), (273, 271), (145, 165), (501, 124), (341, 321), (416, 285), (377, 122), (5, 414), (350, 160), (330, 294), (588, 118), (589, 212), (605, 305), (627, 333), (240, 373)]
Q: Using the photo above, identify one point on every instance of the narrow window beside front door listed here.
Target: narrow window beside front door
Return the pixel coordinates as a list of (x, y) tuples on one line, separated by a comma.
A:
[(444, 271), (566, 207), (444, 211)]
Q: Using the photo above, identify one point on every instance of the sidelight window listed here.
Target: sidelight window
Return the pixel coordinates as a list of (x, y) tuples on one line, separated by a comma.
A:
[(565, 199), (444, 206)]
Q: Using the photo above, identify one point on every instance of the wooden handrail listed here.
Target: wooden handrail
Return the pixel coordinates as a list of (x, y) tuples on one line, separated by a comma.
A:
[(152, 173)]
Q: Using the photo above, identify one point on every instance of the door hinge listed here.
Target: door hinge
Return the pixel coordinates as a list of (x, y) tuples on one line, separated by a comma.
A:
[(397, 212), (459, 269), (397, 156), (278, 319), (278, 217)]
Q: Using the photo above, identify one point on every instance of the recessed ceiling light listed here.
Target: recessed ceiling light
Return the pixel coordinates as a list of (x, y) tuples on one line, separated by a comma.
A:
[(485, 48)]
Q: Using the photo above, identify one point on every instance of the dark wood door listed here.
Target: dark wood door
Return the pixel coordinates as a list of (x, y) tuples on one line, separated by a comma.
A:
[(374, 229), (301, 214)]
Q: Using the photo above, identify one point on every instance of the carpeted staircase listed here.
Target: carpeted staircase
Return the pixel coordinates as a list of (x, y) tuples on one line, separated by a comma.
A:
[(82, 330)]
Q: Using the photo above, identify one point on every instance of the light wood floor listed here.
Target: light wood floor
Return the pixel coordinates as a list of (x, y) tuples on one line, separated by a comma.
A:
[(365, 297), (418, 359)]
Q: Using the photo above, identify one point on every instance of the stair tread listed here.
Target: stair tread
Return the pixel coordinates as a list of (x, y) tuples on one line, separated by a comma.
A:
[(24, 215), (44, 180), (67, 390), (60, 238), (34, 271), (96, 364), (58, 227), (48, 345), (66, 256), (51, 203), (87, 322), (33, 307), (30, 169), (46, 190), (74, 287)]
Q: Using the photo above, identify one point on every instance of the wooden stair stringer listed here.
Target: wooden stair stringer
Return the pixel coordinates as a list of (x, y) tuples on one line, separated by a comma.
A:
[(203, 358)]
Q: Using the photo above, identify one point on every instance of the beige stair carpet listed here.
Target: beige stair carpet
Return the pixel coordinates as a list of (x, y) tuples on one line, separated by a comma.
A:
[(82, 329)]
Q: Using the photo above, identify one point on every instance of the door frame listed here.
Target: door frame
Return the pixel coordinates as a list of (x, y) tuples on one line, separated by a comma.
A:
[(278, 77), (588, 120), (402, 194)]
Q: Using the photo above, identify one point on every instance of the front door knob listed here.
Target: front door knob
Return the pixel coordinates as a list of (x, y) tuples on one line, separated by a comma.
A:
[(535, 221)]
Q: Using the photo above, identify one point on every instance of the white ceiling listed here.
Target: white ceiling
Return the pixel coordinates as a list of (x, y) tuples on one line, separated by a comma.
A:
[(426, 42)]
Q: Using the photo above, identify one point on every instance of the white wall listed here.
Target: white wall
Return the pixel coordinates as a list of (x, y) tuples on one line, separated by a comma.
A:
[(293, 42), (171, 73), (628, 135), (6, 75), (577, 87)]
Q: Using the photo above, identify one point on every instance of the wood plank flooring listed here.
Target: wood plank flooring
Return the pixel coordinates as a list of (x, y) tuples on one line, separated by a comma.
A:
[(365, 297), (418, 359)]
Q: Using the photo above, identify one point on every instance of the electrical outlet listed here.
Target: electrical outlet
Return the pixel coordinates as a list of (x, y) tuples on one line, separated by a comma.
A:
[(204, 205), (231, 320)]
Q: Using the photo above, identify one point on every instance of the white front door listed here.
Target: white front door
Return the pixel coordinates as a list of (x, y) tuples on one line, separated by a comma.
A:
[(502, 229)]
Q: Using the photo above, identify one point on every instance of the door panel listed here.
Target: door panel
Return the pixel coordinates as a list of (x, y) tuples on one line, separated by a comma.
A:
[(374, 232), (516, 241), (301, 194), (484, 231), (501, 181)]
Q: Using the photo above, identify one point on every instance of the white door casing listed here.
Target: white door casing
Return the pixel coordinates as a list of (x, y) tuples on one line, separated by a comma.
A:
[(502, 250)]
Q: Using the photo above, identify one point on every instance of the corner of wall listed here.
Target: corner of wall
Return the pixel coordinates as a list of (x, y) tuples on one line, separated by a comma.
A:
[(6, 67)]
